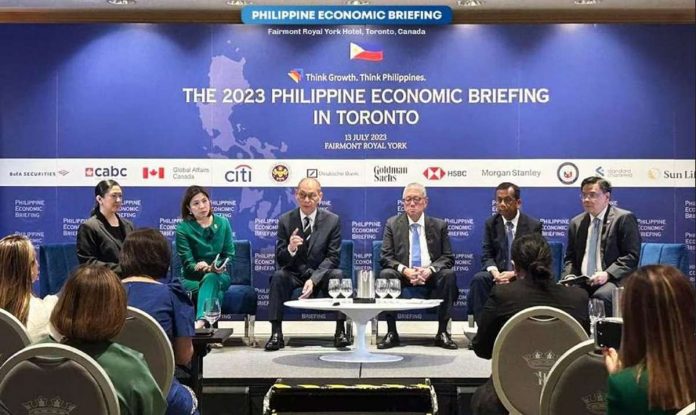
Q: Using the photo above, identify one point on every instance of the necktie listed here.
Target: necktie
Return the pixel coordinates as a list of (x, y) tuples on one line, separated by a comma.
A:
[(592, 250), (415, 246), (307, 228), (509, 235)]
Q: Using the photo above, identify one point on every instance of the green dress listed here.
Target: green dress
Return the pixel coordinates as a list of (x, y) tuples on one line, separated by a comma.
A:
[(194, 244), (136, 389), (625, 396)]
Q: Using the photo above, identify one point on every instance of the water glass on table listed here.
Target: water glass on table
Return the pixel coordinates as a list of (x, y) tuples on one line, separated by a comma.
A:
[(211, 310), (596, 311), (381, 287), (346, 287), (334, 288), (394, 288)]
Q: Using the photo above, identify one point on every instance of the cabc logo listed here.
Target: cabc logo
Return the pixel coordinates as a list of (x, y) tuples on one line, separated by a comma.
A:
[(434, 173), (110, 171), (240, 174), (568, 173), (280, 173)]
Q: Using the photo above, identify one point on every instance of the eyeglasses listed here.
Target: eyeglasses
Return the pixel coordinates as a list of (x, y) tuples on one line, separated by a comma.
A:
[(507, 200), (303, 195), (414, 199), (590, 195)]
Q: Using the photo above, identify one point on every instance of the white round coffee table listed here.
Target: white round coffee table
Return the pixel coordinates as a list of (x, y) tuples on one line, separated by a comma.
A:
[(361, 313)]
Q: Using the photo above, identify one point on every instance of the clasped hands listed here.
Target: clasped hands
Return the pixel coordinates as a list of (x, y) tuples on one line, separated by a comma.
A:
[(599, 278), (417, 275), (504, 277), (205, 267)]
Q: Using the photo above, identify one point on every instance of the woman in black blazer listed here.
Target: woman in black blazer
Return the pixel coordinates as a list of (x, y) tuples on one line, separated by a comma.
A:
[(100, 238)]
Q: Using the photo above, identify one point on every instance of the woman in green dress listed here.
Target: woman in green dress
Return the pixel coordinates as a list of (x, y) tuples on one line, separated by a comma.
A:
[(205, 247), (655, 370)]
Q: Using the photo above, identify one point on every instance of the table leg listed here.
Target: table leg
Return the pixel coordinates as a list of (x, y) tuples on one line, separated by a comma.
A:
[(359, 354), (197, 369)]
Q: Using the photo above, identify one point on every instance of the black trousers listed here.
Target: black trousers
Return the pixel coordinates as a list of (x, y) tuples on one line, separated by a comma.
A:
[(441, 285), (283, 283), (479, 290)]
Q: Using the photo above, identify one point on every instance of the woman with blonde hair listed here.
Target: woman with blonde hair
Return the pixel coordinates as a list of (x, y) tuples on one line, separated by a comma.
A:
[(91, 311), (655, 370), (18, 271)]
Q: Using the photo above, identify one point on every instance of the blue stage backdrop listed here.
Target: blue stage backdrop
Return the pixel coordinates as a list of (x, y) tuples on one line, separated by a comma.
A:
[(249, 111)]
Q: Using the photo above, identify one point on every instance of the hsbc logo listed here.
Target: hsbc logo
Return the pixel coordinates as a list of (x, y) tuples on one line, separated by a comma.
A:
[(110, 171), (438, 173), (434, 173)]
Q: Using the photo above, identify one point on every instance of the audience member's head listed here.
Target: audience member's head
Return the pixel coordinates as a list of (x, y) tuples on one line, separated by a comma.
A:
[(18, 270), (92, 306), (145, 253), (658, 334), (531, 255)]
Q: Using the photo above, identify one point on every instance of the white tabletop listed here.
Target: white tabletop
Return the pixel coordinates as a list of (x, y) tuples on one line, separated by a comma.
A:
[(388, 304)]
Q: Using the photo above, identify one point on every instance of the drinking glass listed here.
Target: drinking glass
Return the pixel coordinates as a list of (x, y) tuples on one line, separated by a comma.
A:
[(211, 310), (596, 311), (381, 287), (346, 287), (334, 288), (394, 288)]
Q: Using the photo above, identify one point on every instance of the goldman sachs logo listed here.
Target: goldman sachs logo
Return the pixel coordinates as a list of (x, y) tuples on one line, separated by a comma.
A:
[(389, 174)]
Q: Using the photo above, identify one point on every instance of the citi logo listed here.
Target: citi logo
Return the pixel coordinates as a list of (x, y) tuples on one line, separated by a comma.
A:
[(240, 174), (434, 173)]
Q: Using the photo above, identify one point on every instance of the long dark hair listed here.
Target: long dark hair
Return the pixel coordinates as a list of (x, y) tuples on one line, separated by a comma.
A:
[(532, 254), (659, 310), (101, 189)]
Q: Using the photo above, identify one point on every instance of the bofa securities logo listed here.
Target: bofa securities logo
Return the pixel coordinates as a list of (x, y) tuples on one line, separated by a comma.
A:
[(568, 173), (280, 173)]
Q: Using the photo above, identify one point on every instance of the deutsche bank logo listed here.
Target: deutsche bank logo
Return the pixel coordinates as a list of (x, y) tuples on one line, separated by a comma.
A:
[(240, 174)]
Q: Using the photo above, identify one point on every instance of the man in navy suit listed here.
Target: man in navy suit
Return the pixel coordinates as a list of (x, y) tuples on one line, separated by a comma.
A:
[(307, 253), (603, 242), (416, 249), (501, 230)]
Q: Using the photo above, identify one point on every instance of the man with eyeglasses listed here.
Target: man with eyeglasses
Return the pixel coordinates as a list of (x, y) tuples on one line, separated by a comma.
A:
[(416, 249), (603, 242), (501, 230), (307, 255)]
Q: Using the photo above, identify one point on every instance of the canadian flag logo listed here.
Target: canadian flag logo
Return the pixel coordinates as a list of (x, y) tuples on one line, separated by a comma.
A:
[(434, 173), (148, 172)]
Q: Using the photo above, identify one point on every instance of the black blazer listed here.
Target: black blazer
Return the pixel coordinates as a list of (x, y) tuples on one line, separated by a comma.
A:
[(396, 249), (316, 256), (494, 251), (620, 243), (506, 300), (95, 245)]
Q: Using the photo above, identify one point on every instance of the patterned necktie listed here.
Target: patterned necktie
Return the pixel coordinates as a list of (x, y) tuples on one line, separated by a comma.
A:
[(415, 246), (307, 228), (509, 235), (592, 250)]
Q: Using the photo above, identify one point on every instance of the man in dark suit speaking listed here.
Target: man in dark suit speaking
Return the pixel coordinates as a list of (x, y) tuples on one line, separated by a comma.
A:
[(508, 224), (416, 249), (603, 242), (307, 254)]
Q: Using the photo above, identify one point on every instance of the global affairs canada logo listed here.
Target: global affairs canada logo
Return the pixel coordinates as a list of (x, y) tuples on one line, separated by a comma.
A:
[(280, 173), (296, 74), (365, 53), (568, 173), (434, 173), (150, 172)]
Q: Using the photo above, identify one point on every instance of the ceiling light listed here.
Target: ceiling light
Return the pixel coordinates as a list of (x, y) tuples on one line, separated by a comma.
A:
[(357, 2), (470, 3), (238, 2), (121, 2), (586, 2)]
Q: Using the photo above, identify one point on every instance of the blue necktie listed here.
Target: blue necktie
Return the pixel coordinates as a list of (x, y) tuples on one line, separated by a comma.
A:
[(592, 250), (415, 246), (509, 236)]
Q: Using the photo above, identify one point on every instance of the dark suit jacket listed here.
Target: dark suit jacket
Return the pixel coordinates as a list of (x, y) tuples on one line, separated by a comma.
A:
[(620, 243), (494, 252), (396, 249), (95, 245), (315, 256), (506, 300)]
